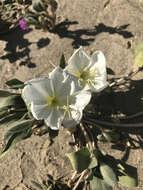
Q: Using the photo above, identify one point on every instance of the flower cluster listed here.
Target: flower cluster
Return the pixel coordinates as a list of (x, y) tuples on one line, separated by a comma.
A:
[(61, 98), (22, 24)]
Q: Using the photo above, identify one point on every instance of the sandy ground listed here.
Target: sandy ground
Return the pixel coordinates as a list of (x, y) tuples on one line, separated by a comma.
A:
[(114, 27)]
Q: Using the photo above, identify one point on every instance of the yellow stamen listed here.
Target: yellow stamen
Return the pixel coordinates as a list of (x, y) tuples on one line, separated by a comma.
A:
[(66, 108)]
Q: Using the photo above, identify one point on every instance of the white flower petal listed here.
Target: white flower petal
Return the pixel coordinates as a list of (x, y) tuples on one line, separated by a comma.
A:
[(57, 75), (78, 61), (60, 82), (54, 120), (37, 90), (98, 85), (98, 62), (40, 112), (98, 58), (64, 84), (76, 116), (82, 98)]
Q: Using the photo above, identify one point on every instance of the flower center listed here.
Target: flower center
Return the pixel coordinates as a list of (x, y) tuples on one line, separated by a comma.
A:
[(52, 101), (84, 75)]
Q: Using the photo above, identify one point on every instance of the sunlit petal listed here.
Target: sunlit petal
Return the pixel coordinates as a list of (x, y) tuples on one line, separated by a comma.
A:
[(82, 98), (78, 61), (74, 119), (54, 120), (37, 90), (90, 71), (40, 111)]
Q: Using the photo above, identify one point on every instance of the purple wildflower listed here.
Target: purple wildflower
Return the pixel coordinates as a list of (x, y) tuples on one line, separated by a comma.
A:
[(22, 24)]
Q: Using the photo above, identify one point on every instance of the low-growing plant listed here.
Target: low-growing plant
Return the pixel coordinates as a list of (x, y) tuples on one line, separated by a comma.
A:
[(40, 13), (67, 98)]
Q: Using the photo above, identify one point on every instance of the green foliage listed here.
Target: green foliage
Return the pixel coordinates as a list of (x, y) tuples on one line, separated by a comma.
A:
[(93, 163), (18, 127), (110, 171), (15, 138), (108, 174), (13, 101), (15, 84), (14, 116), (62, 61), (110, 71), (4, 93), (109, 136), (127, 175), (42, 15), (11, 12), (105, 170), (99, 184), (37, 185), (10, 117), (38, 5), (80, 160)]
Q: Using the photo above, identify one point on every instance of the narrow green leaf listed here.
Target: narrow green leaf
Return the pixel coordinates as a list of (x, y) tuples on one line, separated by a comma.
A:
[(4, 93), (80, 159), (110, 71), (15, 138), (93, 162), (9, 118), (62, 61), (15, 84), (128, 176), (38, 5), (12, 101), (3, 114), (108, 174), (99, 184), (111, 136), (36, 185), (18, 127)]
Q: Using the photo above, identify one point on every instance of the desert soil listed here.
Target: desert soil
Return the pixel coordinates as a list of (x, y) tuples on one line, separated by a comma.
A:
[(112, 26)]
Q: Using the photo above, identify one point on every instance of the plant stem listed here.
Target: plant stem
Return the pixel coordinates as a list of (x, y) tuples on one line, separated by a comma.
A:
[(111, 125), (80, 179)]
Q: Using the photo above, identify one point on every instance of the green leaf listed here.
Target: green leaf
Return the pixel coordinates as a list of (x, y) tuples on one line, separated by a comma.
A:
[(110, 71), (15, 138), (93, 162), (99, 184), (18, 127), (4, 93), (37, 185), (128, 176), (108, 174), (32, 20), (12, 101), (111, 136), (80, 159), (11, 118), (38, 5), (139, 56), (62, 61), (3, 114), (15, 84)]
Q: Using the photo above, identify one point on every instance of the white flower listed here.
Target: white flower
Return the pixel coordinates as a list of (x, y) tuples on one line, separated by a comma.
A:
[(56, 99), (90, 71)]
